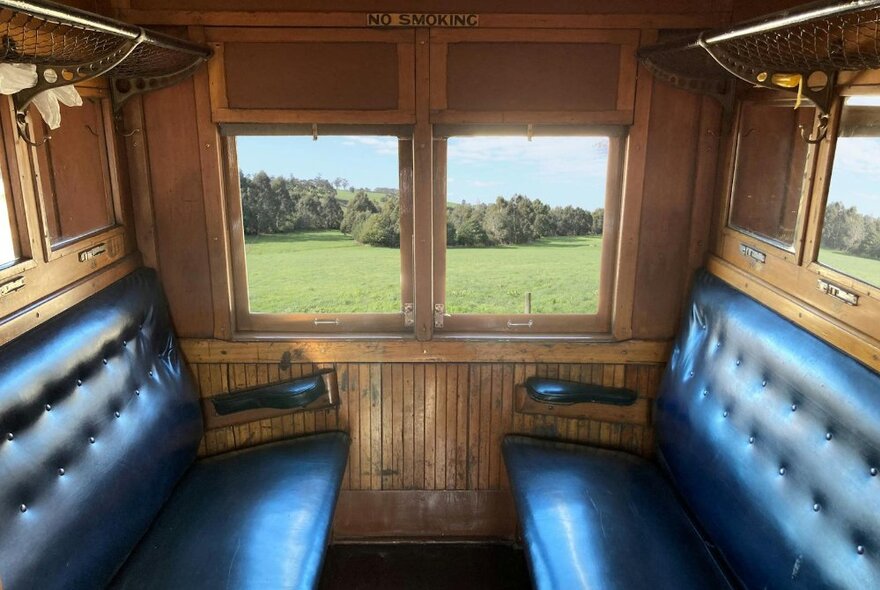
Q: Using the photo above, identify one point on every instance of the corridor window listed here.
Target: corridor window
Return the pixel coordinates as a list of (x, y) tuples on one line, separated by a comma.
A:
[(526, 231), (321, 230), (850, 241), (8, 244)]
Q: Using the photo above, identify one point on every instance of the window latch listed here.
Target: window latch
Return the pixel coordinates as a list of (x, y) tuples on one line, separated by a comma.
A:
[(512, 324), (755, 255), (409, 318), (439, 314), (847, 297), (333, 322), (92, 252), (11, 286)]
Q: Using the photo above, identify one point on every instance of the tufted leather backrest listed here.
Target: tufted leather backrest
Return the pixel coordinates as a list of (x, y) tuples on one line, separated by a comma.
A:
[(773, 439), (98, 421)]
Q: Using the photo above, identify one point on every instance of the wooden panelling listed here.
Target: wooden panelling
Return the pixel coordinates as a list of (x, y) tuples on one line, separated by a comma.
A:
[(426, 426), (176, 185), (676, 150), (364, 75)]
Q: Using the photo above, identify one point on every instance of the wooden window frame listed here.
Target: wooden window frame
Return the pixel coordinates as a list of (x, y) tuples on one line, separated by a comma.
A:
[(24, 227), (536, 326), (731, 238), (311, 324), (115, 231)]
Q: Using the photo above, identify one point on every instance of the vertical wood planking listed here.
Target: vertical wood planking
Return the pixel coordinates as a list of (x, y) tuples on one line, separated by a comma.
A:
[(427, 426)]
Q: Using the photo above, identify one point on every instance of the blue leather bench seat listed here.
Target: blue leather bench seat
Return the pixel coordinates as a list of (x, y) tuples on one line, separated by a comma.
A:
[(768, 441), (594, 518), (255, 518), (99, 427)]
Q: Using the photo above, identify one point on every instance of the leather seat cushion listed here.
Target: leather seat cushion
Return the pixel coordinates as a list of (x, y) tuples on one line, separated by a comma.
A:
[(255, 518), (594, 518)]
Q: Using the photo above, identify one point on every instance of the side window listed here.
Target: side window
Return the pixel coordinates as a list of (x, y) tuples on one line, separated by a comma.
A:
[(770, 172), (527, 232), (321, 246), (850, 239)]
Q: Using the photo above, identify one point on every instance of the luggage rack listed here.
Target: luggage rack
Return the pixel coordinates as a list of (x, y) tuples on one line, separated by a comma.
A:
[(69, 46), (800, 50)]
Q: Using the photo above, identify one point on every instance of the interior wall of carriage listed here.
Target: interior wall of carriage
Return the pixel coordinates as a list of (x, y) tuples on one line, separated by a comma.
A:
[(427, 413)]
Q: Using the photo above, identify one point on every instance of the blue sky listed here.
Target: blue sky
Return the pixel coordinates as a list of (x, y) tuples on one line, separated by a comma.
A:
[(558, 170)]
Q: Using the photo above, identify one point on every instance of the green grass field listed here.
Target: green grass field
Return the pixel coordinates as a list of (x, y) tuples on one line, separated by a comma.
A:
[(327, 272), (865, 269), (346, 196)]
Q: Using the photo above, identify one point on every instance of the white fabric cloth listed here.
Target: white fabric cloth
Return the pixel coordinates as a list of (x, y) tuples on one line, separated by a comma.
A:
[(15, 77), (47, 103)]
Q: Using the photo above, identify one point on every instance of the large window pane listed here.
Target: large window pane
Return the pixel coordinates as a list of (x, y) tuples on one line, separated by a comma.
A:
[(322, 223), (770, 170), (851, 230), (524, 224)]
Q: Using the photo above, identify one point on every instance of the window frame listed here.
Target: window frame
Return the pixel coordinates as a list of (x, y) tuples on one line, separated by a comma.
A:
[(374, 324), (115, 231), (731, 239), (19, 207), (536, 325)]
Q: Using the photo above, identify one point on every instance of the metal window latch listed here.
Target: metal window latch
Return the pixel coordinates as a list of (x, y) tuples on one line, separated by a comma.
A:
[(333, 322), (92, 252), (847, 297), (752, 253), (512, 324), (11, 286), (439, 314), (409, 318)]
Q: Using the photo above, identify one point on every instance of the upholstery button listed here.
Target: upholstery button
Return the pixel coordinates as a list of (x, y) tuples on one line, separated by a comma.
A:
[(137, 391), (691, 373), (23, 507), (873, 469), (828, 436), (738, 362), (124, 343), (751, 440), (726, 413), (782, 471), (764, 383), (794, 407), (61, 471), (816, 508), (92, 440), (104, 361), (9, 436), (705, 392), (48, 407), (860, 549), (150, 372), (79, 382), (117, 414)]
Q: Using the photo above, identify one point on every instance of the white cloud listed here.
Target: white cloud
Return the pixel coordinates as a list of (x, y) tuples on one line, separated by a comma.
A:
[(549, 156), (384, 146)]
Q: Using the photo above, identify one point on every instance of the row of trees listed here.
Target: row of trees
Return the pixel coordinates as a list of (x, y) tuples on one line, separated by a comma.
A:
[(275, 204), (847, 230)]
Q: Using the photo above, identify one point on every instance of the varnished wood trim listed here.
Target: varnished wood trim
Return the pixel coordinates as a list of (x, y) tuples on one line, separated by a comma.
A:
[(423, 192), (305, 35), (46, 308), (525, 35), (852, 342), (341, 117), (428, 514), (454, 117), (359, 19), (367, 351)]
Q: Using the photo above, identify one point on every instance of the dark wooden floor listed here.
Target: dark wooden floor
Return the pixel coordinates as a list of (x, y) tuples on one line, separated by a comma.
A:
[(434, 566)]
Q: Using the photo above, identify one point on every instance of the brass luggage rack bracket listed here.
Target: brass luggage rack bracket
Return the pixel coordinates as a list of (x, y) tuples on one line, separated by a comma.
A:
[(799, 51), (69, 46)]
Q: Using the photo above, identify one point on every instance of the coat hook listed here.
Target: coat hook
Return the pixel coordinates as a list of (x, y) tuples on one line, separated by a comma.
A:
[(21, 123), (314, 132), (529, 132), (820, 135)]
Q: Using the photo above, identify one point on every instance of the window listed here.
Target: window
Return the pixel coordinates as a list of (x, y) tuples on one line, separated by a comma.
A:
[(8, 244), (770, 171), (528, 246), (77, 193), (850, 239), (321, 242)]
